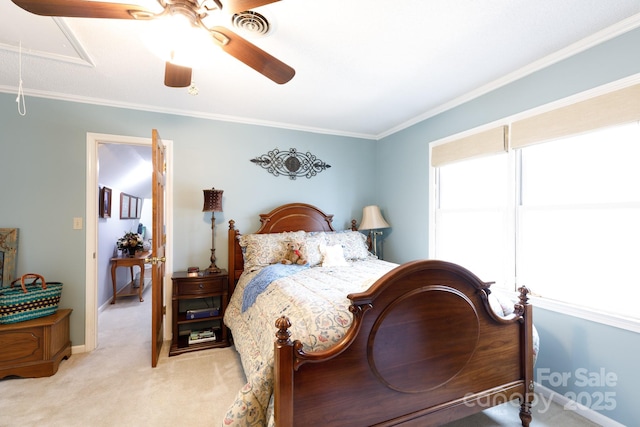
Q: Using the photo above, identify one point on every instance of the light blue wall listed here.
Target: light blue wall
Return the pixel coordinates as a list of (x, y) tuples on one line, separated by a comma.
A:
[(43, 171), (594, 364), (568, 343)]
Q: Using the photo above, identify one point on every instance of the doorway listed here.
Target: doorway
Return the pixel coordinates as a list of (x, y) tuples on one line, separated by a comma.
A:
[(94, 257)]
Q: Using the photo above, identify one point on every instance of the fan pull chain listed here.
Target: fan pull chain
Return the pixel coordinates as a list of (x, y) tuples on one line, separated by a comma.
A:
[(22, 107)]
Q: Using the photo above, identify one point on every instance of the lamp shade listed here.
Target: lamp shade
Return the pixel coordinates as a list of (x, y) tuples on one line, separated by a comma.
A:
[(372, 219), (212, 200)]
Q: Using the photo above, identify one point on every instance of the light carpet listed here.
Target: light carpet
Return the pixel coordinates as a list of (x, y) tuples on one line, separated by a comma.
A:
[(116, 386)]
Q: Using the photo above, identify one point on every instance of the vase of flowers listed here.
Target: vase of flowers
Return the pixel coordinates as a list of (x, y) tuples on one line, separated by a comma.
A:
[(130, 243)]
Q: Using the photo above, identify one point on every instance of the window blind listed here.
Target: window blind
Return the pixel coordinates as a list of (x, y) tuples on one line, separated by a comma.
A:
[(614, 108), (492, 141)]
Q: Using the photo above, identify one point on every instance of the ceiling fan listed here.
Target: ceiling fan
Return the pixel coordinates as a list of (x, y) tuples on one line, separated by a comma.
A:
[(194, 10)]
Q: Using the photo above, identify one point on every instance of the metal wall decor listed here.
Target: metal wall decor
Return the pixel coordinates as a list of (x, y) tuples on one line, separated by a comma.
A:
[(291, 163)]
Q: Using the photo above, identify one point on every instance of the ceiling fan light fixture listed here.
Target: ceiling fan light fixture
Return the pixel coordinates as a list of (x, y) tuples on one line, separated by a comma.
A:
[(171, 44), (176, 75), (174, 37)]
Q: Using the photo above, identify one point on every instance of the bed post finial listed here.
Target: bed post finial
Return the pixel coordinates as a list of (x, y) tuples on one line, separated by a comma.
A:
[(283, 324), (524, 294), (523, 301), (232, 224)]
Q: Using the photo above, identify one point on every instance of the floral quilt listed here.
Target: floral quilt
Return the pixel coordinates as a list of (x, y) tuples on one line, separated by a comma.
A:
[(315, 300)]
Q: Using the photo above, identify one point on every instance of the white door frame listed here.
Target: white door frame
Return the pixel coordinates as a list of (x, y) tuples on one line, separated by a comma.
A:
[(91, 261)]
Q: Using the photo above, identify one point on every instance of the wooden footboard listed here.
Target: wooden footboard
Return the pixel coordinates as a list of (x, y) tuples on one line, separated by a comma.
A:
[(425, 348)]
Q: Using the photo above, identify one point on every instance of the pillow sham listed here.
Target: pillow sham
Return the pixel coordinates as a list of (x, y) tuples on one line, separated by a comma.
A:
[(353, 243), (311, 247), (260, 250)]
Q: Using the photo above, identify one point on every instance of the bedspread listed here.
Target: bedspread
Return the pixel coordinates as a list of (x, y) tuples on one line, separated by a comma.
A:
[(315, 299), (263, 279)]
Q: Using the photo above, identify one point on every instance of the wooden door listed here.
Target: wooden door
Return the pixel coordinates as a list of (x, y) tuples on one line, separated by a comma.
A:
[(158, 243)]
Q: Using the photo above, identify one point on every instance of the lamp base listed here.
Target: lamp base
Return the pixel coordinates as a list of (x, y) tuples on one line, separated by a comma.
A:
[(374, 242), (213, 269)]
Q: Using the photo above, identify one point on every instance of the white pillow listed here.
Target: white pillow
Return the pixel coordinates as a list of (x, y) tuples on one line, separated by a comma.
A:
[(332, 256)]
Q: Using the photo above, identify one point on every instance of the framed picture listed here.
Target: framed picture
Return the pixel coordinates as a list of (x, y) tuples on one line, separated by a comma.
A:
[(133, 207), (8, 255), (130, 206), (105, 202), (125, 200)]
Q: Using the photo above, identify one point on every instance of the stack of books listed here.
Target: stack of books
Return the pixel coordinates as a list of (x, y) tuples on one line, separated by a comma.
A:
[(204, 335), (200, 313)]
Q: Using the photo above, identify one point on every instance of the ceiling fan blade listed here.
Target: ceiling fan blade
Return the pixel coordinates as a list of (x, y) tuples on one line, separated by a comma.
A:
[(176, 75), (236, 6), (84, 9), (252, 55)]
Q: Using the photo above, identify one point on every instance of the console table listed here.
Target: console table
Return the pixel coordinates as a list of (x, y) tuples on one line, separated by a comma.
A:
[(125, 261)]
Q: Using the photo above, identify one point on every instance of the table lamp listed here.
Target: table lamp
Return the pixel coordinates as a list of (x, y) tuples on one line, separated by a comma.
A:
[(212, 203), (372, 220)]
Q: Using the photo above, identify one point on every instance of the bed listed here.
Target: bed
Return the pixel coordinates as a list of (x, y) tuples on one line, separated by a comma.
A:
[(350, 340)]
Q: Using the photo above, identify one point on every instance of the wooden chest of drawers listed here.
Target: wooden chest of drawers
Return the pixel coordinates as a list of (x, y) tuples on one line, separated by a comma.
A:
[(36, 347)]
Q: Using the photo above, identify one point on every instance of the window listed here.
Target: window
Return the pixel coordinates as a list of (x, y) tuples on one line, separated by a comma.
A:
[(560, 217), (473, 215), (580, 206)]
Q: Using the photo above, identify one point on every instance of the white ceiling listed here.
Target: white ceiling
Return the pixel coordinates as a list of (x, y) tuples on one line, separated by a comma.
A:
[(364, 68), (125, 168)]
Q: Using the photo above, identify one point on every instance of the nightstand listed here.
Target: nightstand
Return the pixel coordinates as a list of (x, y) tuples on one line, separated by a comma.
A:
[(198, 304)]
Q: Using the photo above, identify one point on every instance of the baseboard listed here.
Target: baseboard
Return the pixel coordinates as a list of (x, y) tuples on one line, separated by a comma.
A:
[(77, 349), (570, 405), (104, 306)]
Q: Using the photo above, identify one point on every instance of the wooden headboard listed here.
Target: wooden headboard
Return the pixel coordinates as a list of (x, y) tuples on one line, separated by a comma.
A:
[(289, 217)]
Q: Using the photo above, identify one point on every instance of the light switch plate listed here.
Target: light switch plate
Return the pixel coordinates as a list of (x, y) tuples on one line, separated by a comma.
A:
[(77, 223)]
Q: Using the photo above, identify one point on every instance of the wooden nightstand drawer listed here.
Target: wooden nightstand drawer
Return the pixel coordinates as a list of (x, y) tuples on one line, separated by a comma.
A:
[(200, 287)]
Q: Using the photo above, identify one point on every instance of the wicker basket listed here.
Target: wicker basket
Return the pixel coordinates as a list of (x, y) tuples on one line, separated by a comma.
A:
[(29, 301)]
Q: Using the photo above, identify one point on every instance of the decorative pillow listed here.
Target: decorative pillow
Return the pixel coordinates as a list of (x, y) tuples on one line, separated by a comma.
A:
[(311, 248), (353, 243), (260, 250), (332, 256)]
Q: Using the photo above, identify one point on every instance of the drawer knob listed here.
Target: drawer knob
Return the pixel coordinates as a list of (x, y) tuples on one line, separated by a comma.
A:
[(201, 286)]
